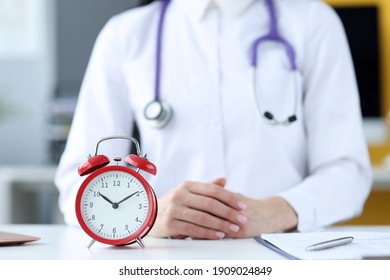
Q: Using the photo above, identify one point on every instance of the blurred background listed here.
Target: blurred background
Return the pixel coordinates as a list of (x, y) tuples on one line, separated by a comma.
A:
[(44, 50)]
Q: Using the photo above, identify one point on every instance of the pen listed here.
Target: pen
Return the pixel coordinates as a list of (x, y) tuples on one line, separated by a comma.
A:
[(330, 243)]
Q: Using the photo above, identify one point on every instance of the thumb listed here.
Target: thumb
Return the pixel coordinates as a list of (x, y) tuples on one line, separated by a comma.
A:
[(219, 181)]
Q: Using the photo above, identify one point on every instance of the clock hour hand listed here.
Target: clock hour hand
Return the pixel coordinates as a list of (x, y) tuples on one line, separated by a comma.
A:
[(127, 197), (106, 199)]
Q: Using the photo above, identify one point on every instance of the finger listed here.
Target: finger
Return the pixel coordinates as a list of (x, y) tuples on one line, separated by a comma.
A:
[(207, 220), (216, 209), (215, 191), (184, 228), (215, 200), (219, 181)]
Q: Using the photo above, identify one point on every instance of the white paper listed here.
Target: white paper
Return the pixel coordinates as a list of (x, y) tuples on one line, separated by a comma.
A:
[(364, 244)]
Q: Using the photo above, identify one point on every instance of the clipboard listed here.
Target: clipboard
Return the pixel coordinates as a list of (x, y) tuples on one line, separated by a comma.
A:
[(11, 238), (366, 245), (276, 249)]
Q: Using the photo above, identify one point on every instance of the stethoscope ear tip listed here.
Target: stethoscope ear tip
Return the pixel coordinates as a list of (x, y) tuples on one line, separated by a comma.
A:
[(268, 116), (271, 118), (292, 118)]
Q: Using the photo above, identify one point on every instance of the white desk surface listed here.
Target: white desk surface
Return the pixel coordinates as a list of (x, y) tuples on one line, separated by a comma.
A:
[(64, 242), (61, 242)]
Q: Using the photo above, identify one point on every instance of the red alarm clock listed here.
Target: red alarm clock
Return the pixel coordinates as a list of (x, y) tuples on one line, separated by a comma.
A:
[(115, 205)]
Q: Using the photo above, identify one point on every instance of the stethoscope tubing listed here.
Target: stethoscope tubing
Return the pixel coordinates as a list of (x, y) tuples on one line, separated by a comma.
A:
[(160, 29), (273, 35), (267, 116)]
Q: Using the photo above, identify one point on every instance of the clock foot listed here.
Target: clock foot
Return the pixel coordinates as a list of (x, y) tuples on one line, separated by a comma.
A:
[(91, 243), (140, 242)]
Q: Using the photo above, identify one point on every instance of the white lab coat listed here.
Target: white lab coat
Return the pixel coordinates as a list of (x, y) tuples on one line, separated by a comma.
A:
[(319, 164)]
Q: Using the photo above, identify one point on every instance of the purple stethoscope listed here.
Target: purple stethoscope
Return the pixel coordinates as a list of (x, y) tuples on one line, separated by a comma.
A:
[(158, 113)]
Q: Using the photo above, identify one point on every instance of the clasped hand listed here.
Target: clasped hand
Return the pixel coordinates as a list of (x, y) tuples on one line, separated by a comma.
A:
[(209, 211)]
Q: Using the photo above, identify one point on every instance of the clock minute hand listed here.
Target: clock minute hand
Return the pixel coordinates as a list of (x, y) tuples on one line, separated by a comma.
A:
[(127, 197)]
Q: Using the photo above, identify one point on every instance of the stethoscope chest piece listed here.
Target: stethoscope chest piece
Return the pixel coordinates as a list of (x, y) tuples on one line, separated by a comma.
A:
[(158, 113)]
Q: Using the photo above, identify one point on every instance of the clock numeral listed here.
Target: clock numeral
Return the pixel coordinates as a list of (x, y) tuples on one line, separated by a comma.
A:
[(91, 205), (137, 220), (140, 206), (114, 230), (101, 227), (126, 227), (96, 194), (117, 183), (104, 185), (93, 217)]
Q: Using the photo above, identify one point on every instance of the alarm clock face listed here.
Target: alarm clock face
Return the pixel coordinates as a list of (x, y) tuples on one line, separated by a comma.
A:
[(115, 205)]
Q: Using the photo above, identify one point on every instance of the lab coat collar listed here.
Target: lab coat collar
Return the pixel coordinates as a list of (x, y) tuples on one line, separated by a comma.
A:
[(198, 8)]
